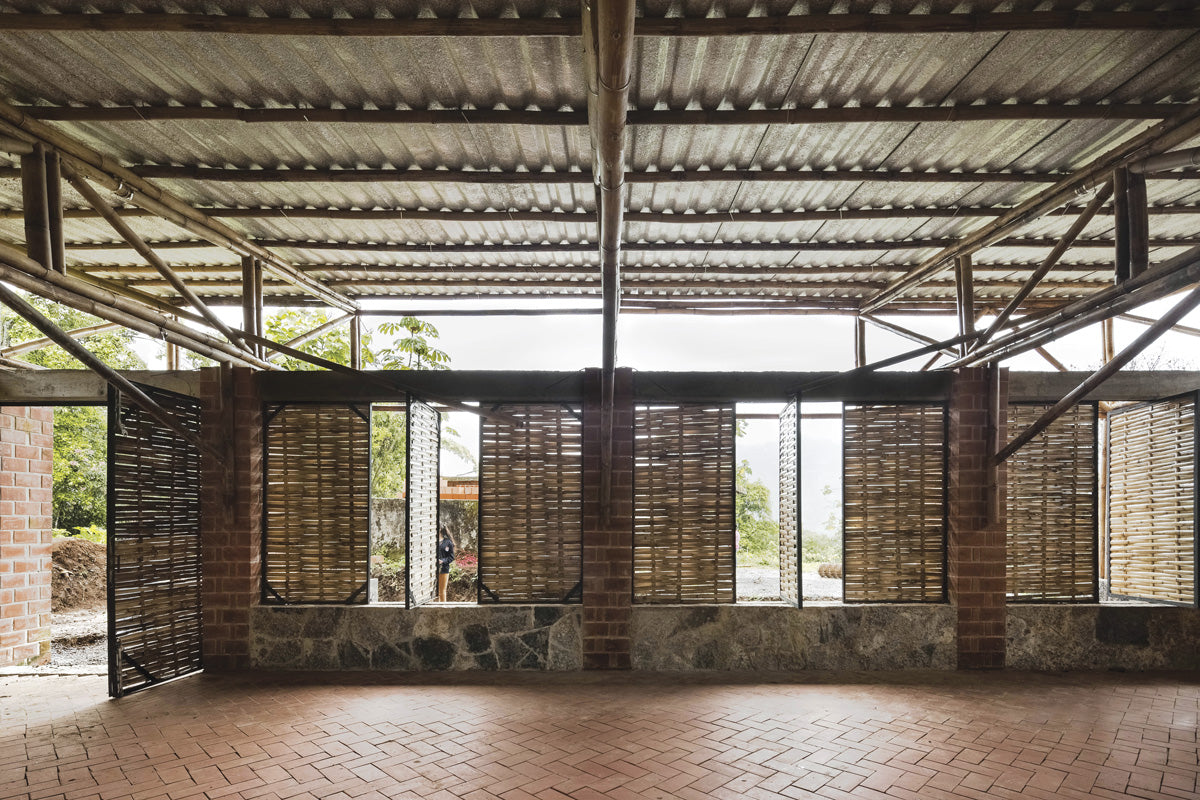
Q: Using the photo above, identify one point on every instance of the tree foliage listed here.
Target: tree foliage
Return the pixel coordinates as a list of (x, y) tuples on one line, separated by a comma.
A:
[(757, 528), (80, 468), (415, 350), (332, 345)]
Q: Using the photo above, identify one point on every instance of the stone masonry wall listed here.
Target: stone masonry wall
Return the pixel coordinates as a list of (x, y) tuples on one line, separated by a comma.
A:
[(767, 637), (231, 513), (1125, 636), (432, 637), (26, 485)]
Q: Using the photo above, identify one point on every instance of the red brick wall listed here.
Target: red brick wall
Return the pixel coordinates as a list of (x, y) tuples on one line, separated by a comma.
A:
[(608, 543), (231, 513), (26, 484), (977, 547)]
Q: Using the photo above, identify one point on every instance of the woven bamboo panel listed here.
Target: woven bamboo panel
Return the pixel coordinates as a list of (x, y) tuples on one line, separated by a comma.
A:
[(895, 501), (789, 503), (421, 500), (317, 503), (1152, 501), (154, 564), (531, 505), (1052, 536), (683, 507)]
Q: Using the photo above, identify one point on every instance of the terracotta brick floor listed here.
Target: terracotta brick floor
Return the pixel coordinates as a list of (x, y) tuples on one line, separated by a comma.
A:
[(590, 736)]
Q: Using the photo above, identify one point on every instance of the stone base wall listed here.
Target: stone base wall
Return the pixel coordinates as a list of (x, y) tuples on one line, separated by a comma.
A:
[(764, 637), (1130, 637), (386, 637)]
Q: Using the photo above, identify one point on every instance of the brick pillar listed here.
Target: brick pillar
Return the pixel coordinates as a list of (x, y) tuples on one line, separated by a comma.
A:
[(231, 512), (977, 548), (26, 486), (607, 545)]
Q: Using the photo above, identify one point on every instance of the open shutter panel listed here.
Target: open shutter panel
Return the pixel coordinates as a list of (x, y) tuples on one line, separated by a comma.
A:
[(317, 468), (895, 503), (531, 505), (1052, 523), (1152, 501), (789, 503), (683, 534), (154, 562), (421, 504)]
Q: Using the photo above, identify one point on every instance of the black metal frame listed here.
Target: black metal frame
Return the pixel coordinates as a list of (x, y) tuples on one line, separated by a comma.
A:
[(1095, 517), (116, 686), (267, 593), (945, 406), (575, 595), (1195, 398), (633, 496)]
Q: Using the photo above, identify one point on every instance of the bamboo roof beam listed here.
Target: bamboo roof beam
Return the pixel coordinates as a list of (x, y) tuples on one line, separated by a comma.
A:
[(526, 27), (1158, 139), (703, 217), (77, 333), (94, 199), (1140, 320), (581, 177), (308, 336), (114, 176), (906, 333), (973, 112)]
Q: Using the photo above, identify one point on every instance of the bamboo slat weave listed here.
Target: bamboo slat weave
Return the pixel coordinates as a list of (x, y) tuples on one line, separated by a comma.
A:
[(1052, 536), (531, 504), (317, 503), (894, 503), (789, 503), (1152, 501), (154, 563), (683, 523), (421, 504)]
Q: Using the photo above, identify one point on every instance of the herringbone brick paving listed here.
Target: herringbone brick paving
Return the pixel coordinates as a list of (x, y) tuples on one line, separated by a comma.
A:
[(589, 736)]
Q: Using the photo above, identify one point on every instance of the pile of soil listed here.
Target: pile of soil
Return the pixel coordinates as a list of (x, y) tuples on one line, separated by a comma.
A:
[(77, 579), (392, 586)]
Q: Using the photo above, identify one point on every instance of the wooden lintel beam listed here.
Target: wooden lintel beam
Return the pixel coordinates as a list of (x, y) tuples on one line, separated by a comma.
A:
[(532, 26), (968, 112), (114, 378)]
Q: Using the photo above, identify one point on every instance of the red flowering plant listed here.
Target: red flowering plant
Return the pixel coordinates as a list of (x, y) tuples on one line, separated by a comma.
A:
[(464, 566)]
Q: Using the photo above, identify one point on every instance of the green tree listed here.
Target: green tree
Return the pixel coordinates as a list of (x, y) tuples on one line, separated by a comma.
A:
[(415, 350), (80, 468), (332, 345), (757, 528)]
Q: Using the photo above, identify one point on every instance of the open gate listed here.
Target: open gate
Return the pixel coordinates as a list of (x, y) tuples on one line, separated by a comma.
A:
[(154, 623)]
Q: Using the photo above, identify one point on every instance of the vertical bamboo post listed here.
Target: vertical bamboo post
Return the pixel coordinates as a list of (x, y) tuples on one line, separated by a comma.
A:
[(54, 210), (1139, 224), (1121, 223), (1106, 331), (860, 342), (355, 342), (965, 284), (37, 213)]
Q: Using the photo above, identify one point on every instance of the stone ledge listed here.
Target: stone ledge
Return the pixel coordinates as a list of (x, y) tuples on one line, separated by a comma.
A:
[(1091, 636), (390, 637)]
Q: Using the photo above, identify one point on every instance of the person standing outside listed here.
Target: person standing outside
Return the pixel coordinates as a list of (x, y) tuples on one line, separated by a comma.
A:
[(445, 557)]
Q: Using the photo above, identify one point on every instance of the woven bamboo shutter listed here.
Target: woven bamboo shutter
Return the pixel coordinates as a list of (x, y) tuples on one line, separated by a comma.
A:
[(1052, 536), (317, 536), (1152, 501), (531, 505), (895, 503), (421, 500), (789, 503), (683, 523), (153, 543)]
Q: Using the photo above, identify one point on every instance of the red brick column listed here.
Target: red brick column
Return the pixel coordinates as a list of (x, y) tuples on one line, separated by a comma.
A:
[(231, 512), (608, 544), (977, 548), (26, 485)]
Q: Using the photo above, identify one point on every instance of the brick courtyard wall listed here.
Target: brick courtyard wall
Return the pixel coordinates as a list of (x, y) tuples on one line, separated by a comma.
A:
[(231, 509), (608, 543), (26, 485), (977, 547)]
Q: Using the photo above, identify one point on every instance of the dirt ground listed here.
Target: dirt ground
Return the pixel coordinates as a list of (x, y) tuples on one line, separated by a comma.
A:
[(78, 577)]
